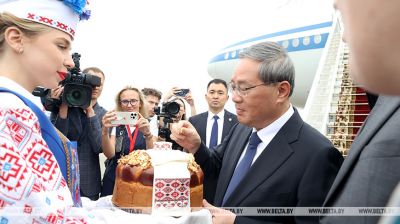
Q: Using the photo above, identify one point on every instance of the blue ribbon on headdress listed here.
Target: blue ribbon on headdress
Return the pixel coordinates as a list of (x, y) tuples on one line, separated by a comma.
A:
[(79, 8)]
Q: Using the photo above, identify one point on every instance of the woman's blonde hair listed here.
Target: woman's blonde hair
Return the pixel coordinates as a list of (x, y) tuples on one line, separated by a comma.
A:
[(143, 107), (29, 28)]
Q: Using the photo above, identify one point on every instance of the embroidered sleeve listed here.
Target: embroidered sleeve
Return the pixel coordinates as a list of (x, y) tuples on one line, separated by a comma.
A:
[(32, 188)]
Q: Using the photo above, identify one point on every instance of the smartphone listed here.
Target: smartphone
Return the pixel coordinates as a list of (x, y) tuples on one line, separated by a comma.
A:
[(182, 92), (126, 118)]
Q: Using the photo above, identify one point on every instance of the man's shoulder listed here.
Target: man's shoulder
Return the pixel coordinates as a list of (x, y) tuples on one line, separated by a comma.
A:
[(239, 129), (198, 116), (99, 109), (311, 132), (298, 130), (230, 115)]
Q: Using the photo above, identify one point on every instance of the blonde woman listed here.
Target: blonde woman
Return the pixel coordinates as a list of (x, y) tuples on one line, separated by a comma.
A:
[(39, 166), (124, 138)]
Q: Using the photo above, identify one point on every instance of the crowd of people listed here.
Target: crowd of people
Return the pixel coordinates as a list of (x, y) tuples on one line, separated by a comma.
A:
[(264, 156)]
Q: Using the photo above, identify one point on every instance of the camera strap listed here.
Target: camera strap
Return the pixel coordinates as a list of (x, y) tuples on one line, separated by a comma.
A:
[(132, 140)]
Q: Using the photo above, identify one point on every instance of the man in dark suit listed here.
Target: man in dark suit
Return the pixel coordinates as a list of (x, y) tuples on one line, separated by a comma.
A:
[(370, 172), (214, 125), (284, 163)]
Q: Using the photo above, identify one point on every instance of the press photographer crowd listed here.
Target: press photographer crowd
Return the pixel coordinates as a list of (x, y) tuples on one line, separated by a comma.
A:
[(77, 114), (260, 164)]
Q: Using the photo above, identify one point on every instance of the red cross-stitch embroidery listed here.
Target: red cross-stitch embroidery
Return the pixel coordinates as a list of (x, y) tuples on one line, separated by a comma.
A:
[(45, 20)]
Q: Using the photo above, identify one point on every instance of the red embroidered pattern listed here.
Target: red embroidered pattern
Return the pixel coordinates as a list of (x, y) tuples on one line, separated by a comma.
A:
[(51, 22), (41, 160), (14, 174), (29, 174), (171, 193)]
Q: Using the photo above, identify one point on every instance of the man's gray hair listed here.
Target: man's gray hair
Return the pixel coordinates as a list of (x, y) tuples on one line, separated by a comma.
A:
[(276, 66)]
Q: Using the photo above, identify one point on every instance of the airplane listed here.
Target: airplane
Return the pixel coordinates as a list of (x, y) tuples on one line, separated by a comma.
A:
[(304, 45)]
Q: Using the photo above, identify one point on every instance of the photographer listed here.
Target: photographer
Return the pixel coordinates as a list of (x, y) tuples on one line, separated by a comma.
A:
[(153, 98), (184, 94), (173, 111), (123, 139), (83, 126)]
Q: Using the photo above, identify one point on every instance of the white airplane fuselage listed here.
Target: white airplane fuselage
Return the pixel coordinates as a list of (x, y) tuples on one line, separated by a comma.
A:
[(304, 45)]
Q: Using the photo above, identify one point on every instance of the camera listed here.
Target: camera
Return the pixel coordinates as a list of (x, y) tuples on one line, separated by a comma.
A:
[(168, 111), (77, 92)]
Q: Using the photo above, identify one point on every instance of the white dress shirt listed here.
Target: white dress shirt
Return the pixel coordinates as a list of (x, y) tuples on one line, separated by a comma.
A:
[(268, 133), (154, 125)]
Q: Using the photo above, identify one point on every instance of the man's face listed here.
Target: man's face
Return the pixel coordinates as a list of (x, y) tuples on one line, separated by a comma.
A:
[(372, 31), (258, 106), (98, 89), (216, 96), (152, 102)]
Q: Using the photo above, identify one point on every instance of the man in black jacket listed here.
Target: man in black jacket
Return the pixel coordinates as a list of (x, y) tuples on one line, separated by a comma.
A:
[(272, 158), (84, 127)]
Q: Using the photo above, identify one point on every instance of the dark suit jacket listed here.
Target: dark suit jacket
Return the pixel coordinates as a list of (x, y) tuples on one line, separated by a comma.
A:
[(371, 171), (87, 132), (297, 168), (200, 123)]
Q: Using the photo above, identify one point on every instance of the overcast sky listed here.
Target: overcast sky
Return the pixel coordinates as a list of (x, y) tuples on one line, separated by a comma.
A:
[(165, 43)]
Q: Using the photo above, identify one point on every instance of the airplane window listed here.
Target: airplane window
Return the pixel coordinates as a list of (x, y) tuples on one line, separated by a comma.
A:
[(317, 39), (295, 42), (306, 41)]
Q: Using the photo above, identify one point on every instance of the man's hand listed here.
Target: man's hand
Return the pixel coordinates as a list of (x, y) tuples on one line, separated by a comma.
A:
[(189, 98), (89, 110), (56, 94), (219, 215), (186, 136), (170, 93)]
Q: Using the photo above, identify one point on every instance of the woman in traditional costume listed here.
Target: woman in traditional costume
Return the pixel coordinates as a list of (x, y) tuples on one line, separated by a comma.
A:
[(39, 166)]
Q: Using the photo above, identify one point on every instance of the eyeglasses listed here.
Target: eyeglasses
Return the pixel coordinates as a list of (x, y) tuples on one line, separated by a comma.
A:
[(126, 103), (244, 91)]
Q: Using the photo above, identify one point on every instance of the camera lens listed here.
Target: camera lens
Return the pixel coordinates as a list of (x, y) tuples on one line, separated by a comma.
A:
[(76, 95), (172, 108)]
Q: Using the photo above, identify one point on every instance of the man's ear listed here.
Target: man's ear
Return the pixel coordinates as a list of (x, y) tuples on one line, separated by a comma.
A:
[(14, 38), (284, 88)]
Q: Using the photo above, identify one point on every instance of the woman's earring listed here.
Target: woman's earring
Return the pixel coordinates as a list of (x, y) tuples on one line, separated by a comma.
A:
[(20, 51)]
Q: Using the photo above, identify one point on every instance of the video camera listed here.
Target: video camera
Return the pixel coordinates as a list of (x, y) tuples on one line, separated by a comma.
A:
[(78, 88), (168, 111)]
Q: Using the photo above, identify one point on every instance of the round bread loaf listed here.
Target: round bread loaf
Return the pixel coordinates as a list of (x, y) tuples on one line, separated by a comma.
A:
[(133, 187)]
